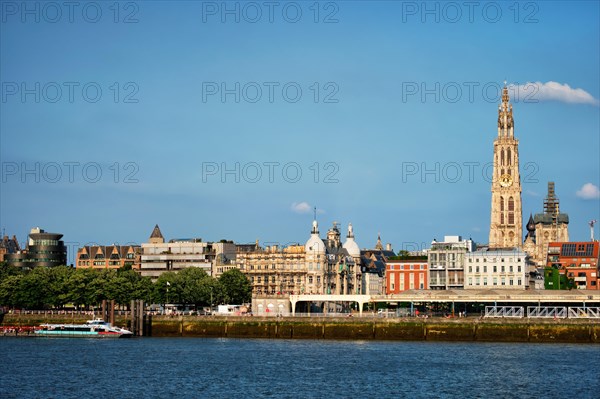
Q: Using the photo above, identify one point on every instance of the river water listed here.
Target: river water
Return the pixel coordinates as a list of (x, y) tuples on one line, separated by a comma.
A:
[(257, 368)]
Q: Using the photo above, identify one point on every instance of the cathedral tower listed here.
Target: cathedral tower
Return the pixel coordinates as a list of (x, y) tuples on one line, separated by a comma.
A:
[(506, 222)]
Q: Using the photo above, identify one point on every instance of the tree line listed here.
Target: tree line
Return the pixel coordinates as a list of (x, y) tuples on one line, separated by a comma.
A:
[(57, 287)]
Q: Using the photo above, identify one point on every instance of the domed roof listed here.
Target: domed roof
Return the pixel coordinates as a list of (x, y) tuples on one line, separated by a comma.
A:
[(350, 245), (315, 244)]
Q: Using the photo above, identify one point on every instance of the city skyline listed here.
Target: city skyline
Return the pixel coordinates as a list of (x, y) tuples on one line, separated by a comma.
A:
[(365, 126)]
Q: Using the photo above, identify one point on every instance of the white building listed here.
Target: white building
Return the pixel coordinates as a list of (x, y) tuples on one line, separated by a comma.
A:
[(503, 268)]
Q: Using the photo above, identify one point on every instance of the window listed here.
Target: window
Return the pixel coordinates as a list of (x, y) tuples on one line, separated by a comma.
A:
[(503, 280), (510, 282), (495, 269), (519, 282), (273, 279), (477, 269), (318, 280), (495, 280), (470, 269), (258, 279), (510, 268), (391, 267), (485, 269), (485, 281), (412, 267), (519, 268), (470, 280), (502, 269)]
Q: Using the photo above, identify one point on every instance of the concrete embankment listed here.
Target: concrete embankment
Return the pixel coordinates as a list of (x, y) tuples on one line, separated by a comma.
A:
[(469, 329)]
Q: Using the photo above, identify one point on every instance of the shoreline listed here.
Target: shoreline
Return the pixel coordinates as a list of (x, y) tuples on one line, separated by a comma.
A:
[(473, 329)]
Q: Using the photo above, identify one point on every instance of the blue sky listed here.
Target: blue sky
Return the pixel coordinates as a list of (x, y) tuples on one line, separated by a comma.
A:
[(159, 124)]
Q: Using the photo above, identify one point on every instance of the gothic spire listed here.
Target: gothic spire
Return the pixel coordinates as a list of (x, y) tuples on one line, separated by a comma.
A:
[(505, 115)]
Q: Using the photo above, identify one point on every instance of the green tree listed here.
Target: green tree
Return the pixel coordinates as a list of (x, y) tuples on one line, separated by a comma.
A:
[(33, 291), (194, 284), (79, 285), (58, 279), (167, 288), (9, 286), (236, 287)]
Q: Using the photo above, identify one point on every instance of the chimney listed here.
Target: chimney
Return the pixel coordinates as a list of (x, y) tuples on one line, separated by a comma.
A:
[(388, 246)]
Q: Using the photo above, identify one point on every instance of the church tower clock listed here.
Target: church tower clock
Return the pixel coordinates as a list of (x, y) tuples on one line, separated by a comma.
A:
[(506, 223)]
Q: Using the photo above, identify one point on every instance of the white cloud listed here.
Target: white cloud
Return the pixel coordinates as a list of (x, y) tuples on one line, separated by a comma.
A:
[(551, 91), (301, 207), (589, 191)]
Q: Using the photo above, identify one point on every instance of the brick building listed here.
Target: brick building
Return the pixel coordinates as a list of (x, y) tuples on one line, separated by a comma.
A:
[(577, 261), (108, 256), (407, 273)]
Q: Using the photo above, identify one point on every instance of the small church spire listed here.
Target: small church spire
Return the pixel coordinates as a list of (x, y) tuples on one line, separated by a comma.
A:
[(379, 244)]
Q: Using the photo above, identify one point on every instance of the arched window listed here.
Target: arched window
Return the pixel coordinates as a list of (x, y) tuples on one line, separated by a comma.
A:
[(502, 218), (511, 204), (508, 157), (502, 203), (502, 157)]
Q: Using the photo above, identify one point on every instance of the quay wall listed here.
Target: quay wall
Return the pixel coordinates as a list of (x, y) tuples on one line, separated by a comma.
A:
[(412, 329)]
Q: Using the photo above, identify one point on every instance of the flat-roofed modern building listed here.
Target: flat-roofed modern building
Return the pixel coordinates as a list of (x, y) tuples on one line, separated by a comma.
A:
[(496, 268), (446, 261), (159, 256), (43, 250)]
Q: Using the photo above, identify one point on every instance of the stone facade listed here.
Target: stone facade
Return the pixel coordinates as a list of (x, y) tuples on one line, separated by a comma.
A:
[(321, 266), (496, 269), (543, 228), (506, 227)]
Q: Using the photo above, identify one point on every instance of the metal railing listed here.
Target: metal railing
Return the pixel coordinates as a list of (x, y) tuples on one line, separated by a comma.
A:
[(556, 312), (584, 313), (504, 311)]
